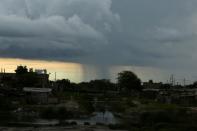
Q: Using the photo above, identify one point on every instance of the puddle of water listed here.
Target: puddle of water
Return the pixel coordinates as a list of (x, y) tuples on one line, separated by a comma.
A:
[(99, 117)]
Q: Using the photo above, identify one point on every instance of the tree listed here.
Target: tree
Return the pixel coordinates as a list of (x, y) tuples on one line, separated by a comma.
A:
[(194, 84), (101, 85), (21, 70), (29, 79), (128, 81), (63, 84), (25, 78)]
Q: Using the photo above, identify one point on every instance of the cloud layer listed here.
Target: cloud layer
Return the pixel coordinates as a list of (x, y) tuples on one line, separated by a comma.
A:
[(153, 33), (57, 29)]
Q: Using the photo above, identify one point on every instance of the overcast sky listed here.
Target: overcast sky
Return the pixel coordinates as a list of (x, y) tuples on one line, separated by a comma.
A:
[(159, 34)]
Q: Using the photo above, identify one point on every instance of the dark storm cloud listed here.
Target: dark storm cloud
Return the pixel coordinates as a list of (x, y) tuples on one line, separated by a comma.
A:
[(105, 32), (157, 32), (15, 51)]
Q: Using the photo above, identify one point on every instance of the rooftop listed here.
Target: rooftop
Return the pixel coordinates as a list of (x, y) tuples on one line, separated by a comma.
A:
[(39, 90)]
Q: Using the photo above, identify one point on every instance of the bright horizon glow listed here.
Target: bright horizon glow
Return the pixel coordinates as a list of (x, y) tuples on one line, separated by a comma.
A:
[(76, 72), (67, 70)]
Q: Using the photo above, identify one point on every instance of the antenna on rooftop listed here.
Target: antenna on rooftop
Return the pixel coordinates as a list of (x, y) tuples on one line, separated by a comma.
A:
[(172, 80), (185, 81)]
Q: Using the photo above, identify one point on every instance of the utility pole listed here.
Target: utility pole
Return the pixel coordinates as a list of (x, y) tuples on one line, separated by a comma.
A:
[(55, 76), (184, 81), (172, 80)]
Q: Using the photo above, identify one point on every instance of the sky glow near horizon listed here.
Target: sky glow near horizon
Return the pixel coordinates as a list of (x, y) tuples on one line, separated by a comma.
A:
[(78, 72), (63, 70)]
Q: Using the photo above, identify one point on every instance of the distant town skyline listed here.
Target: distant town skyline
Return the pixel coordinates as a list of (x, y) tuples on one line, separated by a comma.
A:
[(77, 72)]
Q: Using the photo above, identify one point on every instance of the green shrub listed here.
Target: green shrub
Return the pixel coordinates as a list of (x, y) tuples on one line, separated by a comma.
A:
[(73, 123), (157, 117), (6, 105), (86, 123), (116, 126), (48, 113), (52, 113), (62, 113)]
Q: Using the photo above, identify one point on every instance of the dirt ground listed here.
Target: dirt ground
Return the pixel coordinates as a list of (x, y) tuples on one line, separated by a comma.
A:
[(77, 128)]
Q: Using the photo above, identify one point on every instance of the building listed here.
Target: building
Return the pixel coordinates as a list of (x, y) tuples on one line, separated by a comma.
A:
[(4, 76), (41, 75), (187, 97), (43, 80), (150, 93), (37, 95), (152, 85)]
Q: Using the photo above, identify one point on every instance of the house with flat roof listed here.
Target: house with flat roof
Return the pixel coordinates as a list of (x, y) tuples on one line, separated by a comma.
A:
[(37, 95), (42, 78)]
